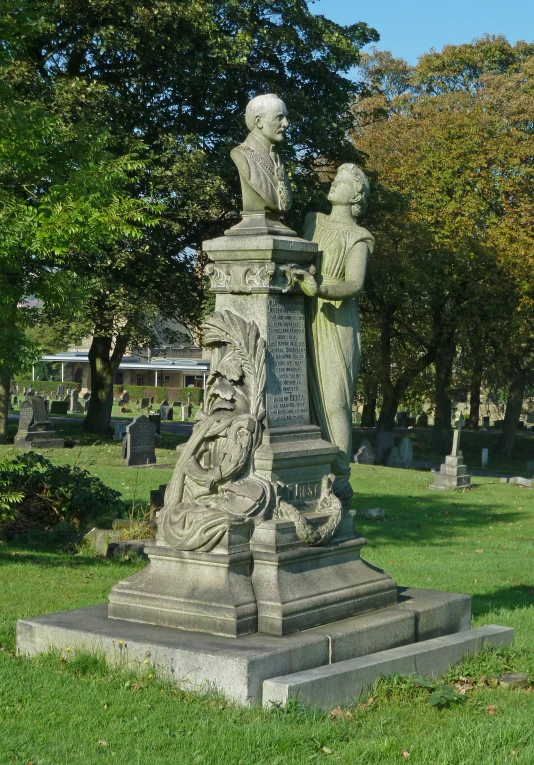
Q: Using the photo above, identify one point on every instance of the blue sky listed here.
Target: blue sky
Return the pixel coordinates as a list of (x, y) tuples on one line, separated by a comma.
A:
[(410, 28)]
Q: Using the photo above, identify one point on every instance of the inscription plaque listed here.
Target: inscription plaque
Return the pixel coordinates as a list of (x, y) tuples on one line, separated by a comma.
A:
[(287, 391)]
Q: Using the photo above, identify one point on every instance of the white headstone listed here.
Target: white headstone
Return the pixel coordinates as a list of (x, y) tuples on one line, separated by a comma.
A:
[(485, 454)]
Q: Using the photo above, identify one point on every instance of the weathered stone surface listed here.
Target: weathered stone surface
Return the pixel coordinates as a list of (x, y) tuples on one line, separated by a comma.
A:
[(365, 454), (406, 452), (343, 682), (519, 481), (452, 474), (264, 182), (139, 442), (238, 667), (35, 430), (59, 407), (383, 446), (394, 459), (436, 613)]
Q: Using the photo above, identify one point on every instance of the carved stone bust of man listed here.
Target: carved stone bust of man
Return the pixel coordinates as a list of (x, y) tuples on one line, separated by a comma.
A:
[(264, 182)]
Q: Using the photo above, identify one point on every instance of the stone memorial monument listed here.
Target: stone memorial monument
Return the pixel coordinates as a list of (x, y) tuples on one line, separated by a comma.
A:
[(259, 502), (453, 472), (139, 441), (75, 406), (35, 429), (406, 452), (256, 534)]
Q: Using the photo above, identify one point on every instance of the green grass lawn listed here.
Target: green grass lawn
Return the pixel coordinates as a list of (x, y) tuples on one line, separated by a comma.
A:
[(79, 712)]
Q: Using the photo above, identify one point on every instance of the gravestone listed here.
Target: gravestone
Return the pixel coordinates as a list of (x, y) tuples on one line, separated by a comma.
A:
[(484, 458), (165, 413), (120, 430), (422, 420), (75, 406), (125, 396), (394, 458), (176, 404), (186, 412), (406, 452), (402, 419), (357, 418), (383, 446), (530, 466), (86, 403), (35, 429), (453, 473), (15, 399), (156, 420), (365, 454), (61, 390), (59, 407), (145, 403), (86, 396), (485, 422), (138, 446), (164, 403)]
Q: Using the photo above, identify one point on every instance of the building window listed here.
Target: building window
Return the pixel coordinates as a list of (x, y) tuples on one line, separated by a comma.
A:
[(166, 378), (139, 380), (119, 378), (195, 381)]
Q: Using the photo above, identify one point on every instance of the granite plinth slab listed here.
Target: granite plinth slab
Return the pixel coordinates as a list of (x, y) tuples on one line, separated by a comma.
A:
[(236, 667), (343, 682)]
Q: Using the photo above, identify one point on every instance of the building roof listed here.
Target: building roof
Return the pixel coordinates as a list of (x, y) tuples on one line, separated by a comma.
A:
[(134, 362)]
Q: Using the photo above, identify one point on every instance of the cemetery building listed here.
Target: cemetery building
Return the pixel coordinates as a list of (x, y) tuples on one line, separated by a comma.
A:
[(179, 370)]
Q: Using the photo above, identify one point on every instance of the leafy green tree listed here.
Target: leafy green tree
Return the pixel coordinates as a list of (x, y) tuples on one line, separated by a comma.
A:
[(176, 77), (449, 145)]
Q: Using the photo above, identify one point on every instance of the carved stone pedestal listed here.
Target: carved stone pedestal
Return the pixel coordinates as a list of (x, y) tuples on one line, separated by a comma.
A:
[(452, 474), (298, 587), (199, 592)]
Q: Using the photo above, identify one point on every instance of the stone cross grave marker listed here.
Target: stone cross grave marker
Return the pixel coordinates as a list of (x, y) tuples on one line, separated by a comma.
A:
[(459, 423), (139, 442)]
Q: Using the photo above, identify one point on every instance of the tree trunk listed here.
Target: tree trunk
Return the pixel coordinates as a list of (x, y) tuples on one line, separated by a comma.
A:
[(442, 432), (514, 403), (474, 396), (103, 365), (5, 384), (388, 410), (370, 392)]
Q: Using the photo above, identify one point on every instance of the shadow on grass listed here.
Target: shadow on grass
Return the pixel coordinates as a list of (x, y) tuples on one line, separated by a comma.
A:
[(511, 598), (427, 520), (24, 554)]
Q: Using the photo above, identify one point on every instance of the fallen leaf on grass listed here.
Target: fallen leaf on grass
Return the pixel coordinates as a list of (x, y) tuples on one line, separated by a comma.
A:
[(326, 750), (102, 743), (340, 714), (405, 753), (491, 709)]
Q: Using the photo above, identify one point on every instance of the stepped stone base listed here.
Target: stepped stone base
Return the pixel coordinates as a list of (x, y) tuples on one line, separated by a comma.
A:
[(256, 579), (40, 439), (452, 474), (263, 668)]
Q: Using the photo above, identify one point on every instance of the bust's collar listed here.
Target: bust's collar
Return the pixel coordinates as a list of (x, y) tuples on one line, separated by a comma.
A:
[(257, 141)]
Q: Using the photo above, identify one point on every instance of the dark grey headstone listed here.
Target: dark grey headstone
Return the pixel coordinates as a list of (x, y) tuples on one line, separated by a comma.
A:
[(394, 458), (125, 396), (145, 403), (406, 452), (364, 456), (422, 420), (59, 407), (402, 419), (86, 396), (166, 413), (61, 390), (383, 446), (156, 419), (140, 441), (35, 428), (164, 402)]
